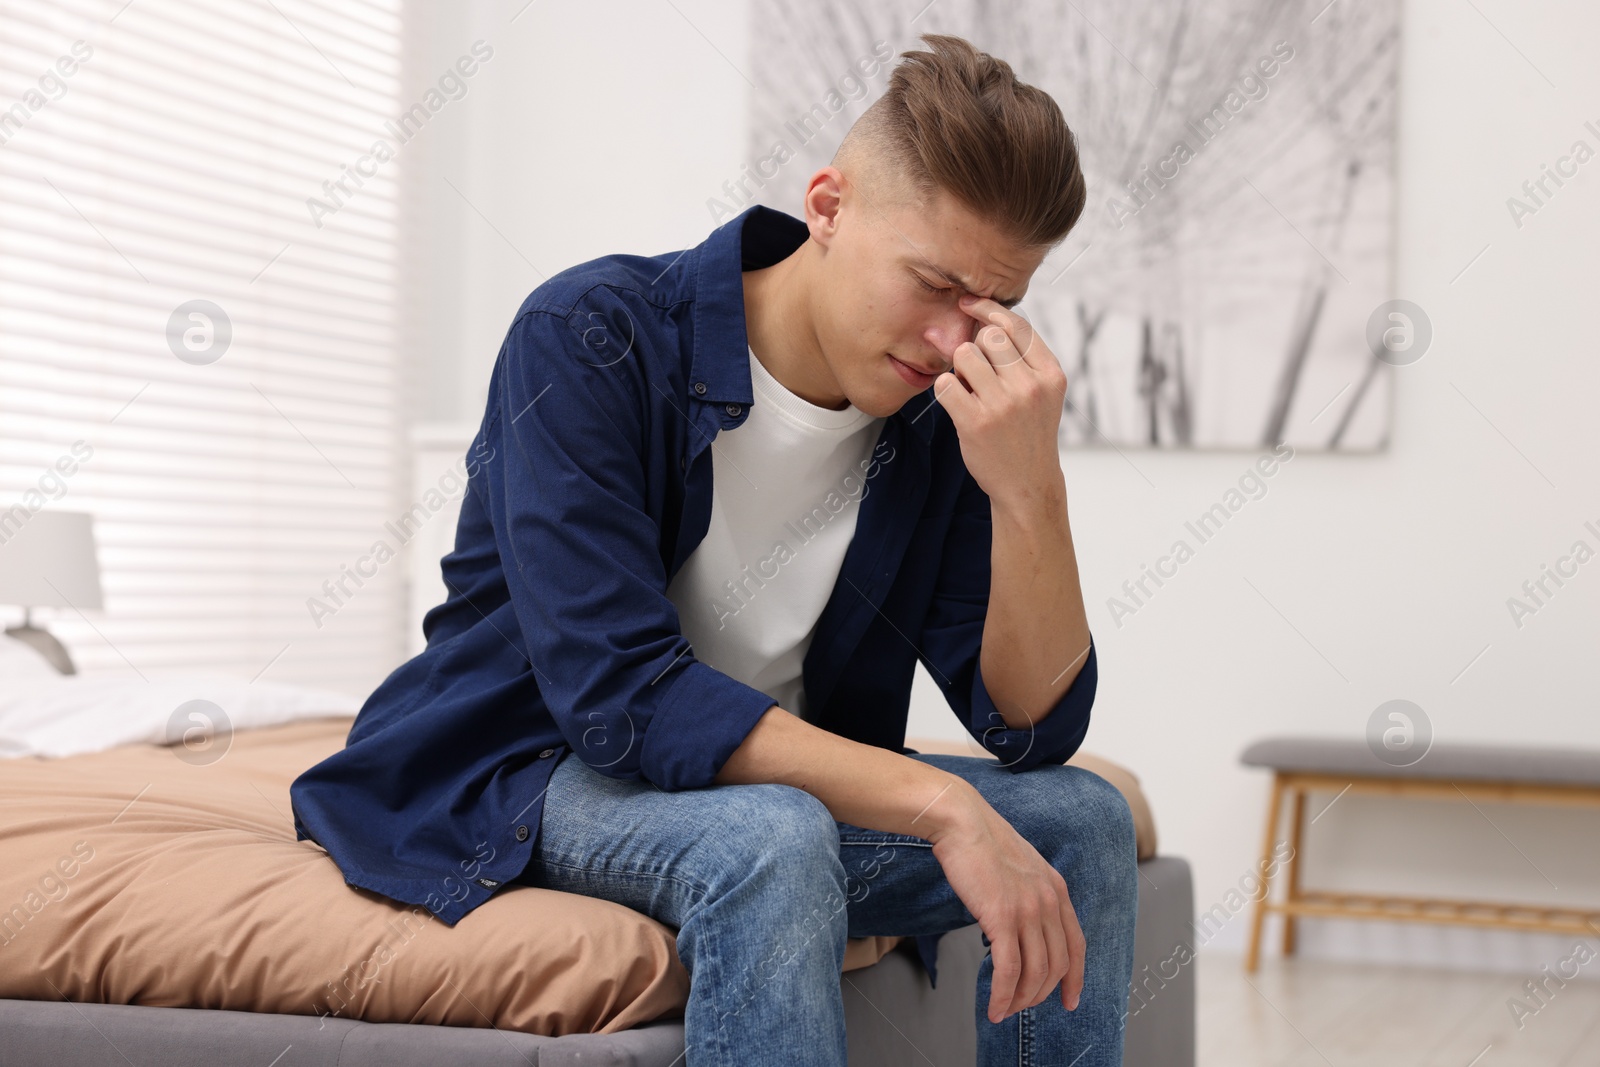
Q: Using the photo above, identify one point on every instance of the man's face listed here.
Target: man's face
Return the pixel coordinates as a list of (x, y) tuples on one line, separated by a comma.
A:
[(890, 282)]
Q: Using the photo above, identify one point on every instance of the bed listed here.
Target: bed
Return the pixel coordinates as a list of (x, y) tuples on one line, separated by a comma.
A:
[(155, 908)]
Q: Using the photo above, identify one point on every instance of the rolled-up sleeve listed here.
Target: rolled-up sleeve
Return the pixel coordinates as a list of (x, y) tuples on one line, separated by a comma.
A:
[(582, 555), (951, 642)]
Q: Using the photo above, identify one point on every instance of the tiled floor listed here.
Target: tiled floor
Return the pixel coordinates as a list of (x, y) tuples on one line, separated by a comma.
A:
[(1299, 1013)]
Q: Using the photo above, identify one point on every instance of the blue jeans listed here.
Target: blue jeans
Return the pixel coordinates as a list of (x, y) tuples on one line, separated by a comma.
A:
[(763, 887)]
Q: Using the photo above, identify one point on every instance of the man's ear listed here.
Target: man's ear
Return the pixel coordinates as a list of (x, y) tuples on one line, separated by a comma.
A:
[(825, 198)]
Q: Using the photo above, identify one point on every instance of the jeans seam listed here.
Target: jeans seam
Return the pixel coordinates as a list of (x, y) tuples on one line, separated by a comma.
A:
[(719, 1037), (714, 951)]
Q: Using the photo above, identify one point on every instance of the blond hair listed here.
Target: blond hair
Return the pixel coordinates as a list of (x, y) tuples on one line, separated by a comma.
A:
[(958, 120)]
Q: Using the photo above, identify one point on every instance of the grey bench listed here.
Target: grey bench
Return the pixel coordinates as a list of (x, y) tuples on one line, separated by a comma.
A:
[(1460, 772)]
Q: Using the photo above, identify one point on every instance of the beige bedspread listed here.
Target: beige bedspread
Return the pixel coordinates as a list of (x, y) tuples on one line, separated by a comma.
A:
[(131, 876)]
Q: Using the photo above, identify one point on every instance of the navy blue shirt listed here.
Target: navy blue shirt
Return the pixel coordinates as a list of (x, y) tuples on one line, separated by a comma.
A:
[(589, 485)]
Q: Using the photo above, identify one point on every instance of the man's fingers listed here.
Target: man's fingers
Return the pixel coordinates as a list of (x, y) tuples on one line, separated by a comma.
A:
[(1072, 984), (1023, 336), (974, 368), (1035, 967), (952, 395), (1003, 978), (996, 345), (1060, 952)]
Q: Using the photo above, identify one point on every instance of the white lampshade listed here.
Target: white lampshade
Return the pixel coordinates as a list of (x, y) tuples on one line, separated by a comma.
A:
[(48, 560)]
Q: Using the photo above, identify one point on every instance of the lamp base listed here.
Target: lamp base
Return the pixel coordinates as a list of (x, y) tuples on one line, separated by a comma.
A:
[(45, 643)]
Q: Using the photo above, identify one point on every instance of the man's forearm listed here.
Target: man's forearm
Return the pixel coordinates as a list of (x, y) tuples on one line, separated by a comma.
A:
[(1036, 633), (860, 784)]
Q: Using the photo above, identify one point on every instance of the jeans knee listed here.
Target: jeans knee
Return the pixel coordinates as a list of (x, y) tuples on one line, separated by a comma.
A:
[(1111, 855), (1092, 834), (779, 826), (771, 917), (1112, 819), (784, 818)]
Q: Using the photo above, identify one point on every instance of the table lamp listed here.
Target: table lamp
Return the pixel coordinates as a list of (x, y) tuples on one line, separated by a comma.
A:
[(47, 560)]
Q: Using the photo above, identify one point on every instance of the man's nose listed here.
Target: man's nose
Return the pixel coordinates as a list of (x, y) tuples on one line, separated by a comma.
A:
[(950, 331)]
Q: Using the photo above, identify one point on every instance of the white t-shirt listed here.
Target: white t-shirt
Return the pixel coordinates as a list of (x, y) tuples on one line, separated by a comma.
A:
[(786, 488)]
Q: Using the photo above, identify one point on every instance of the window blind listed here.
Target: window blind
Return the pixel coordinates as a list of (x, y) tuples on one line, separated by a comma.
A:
[(197, 298)]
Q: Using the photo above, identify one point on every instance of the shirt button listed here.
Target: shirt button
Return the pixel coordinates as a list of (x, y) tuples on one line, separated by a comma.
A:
[(700, 387), (522, 833), (547, 753), (733, 409)]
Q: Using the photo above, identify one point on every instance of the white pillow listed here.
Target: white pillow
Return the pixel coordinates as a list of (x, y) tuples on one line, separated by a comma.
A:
[(58, 715), (20, 661)]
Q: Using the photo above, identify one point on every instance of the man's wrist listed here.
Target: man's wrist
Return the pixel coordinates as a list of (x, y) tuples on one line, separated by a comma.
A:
[(1041, 505), (952, 806)]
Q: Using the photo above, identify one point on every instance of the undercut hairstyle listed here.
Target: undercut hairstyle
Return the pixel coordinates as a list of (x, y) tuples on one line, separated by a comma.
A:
[(958, 120)]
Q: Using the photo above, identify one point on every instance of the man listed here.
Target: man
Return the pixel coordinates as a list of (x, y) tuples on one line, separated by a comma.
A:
[(723, 501)]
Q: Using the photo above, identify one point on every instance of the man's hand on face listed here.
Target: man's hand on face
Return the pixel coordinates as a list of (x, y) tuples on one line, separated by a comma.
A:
[(1005, 395)]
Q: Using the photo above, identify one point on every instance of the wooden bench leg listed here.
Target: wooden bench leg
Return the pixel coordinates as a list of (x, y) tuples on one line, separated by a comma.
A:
[(1297, 813), (1252, 956)]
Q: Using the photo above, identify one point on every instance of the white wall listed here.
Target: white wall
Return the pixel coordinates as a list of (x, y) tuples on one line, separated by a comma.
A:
[(1397, 568), (603, 128), (595, 128)]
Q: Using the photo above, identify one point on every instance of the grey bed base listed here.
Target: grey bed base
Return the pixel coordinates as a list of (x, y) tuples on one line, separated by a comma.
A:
[(892, 1018)]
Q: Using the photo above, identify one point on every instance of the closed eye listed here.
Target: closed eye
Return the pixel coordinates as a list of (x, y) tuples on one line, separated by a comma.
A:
[(1007, 304)]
